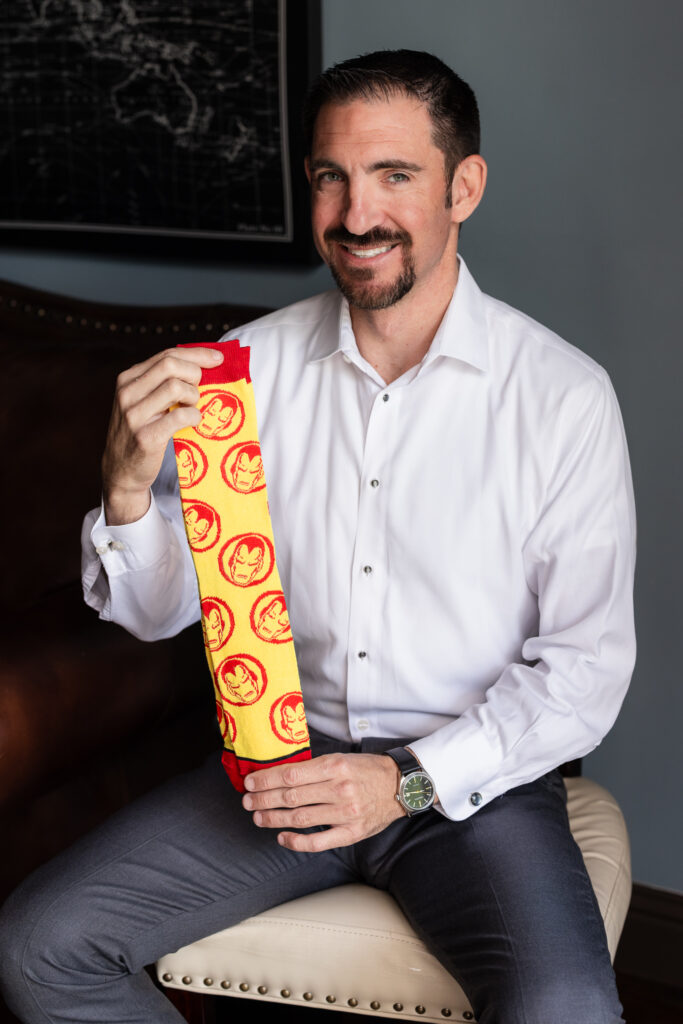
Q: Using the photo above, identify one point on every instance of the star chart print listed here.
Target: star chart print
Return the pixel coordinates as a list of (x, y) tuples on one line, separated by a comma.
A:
[(165, 116)]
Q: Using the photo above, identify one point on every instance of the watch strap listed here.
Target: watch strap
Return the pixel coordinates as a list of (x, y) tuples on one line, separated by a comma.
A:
[(406, 761)]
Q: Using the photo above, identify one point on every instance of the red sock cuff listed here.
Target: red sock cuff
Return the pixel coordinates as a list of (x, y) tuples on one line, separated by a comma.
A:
[(235, 365)]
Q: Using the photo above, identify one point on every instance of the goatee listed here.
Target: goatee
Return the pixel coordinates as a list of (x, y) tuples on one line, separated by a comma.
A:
[(355, 284)]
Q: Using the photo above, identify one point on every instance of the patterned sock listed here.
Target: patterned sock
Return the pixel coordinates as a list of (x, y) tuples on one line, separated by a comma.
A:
[(247, 635)]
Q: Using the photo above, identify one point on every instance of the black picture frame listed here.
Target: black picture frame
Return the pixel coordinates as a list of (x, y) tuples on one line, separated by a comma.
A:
[(299, 50)]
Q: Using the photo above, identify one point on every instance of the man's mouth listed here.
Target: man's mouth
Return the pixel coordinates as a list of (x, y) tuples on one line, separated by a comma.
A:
[(366, 254)]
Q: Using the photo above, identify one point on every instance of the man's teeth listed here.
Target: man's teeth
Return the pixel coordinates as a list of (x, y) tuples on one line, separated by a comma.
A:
[(365, 254)]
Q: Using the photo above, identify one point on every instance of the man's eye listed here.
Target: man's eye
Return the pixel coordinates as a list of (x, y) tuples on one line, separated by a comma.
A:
[(329, 178), (398, 176)]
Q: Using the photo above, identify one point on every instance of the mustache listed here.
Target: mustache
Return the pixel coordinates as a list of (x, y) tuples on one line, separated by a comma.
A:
[(376, 236)]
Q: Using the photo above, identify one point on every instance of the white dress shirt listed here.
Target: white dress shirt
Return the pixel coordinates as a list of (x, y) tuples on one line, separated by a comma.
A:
[(456, 548)]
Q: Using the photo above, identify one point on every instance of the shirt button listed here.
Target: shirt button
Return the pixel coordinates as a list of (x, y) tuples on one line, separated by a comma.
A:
[(476, 799), (367, 569), (374, 483), (362, 724), (362, 654), (385, 398)]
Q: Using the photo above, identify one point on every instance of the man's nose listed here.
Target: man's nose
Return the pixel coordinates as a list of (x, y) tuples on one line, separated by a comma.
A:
[(361, 208)]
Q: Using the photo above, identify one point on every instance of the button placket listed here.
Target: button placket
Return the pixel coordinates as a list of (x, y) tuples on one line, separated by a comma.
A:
[(368, 582)]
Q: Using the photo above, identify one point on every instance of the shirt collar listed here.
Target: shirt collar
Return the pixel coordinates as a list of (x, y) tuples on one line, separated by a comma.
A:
[(462, 333)]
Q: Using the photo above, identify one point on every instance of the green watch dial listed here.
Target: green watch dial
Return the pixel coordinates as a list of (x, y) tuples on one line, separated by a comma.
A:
[(418, 791)]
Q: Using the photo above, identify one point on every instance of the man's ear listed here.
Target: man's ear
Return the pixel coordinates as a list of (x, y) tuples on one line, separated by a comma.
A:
[(467, 187), (307, 168)]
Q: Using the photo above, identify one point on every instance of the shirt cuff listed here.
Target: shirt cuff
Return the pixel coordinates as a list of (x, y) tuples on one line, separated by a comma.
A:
[(130, 547), (460, 760)]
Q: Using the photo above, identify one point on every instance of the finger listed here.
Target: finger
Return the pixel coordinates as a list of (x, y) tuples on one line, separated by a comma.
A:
[(289, 796), (318, 769), (315, 842), (193, 358), (308, 816), (158, 402)]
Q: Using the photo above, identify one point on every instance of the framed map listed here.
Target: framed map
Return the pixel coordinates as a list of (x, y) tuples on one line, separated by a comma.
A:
[(156, 126)]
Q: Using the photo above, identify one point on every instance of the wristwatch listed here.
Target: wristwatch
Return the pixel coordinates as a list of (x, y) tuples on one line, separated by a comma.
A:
[(416, 790)]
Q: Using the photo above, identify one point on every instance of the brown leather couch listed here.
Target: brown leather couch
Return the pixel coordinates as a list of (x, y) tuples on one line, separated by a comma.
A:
[(89, 716)]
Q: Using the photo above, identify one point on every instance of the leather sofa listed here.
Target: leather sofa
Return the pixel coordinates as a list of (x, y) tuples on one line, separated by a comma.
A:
[(89, 716)]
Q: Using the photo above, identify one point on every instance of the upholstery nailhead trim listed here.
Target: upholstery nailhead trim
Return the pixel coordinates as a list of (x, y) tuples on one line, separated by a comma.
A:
[(352, 1002), (262, 990), (467, 1015), (285, 993), (244, 987), (308, 996), (374, 1005), (398, 1007), (446, 1012), (187, 980), (420, 1009), (208, 982), (225, 984), (167, 977), (331, 999)]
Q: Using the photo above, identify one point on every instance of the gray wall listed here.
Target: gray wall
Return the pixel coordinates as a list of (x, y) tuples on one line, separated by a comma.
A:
[(582, 229)]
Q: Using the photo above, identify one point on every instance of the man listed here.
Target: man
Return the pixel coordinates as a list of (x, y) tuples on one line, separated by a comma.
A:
[(473, 623)]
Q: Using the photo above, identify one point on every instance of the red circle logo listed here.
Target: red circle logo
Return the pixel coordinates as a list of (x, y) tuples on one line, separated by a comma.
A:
[(202, 524), (241, 679), (247, 559), (226, 724), (218, 623), (269, 618), (222, 415), (242, 468), (288, 719), (191, 462)]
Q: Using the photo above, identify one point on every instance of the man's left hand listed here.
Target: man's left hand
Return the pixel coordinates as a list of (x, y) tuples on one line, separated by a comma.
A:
[(353, 794)]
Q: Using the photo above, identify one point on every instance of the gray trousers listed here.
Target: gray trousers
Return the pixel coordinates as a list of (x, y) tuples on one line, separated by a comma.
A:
[(502, 899)]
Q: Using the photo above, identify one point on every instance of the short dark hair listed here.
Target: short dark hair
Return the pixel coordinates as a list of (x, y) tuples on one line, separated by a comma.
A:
[(450, 101)]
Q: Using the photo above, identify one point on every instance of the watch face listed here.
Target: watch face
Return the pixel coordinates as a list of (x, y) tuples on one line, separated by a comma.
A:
[(417, 791)]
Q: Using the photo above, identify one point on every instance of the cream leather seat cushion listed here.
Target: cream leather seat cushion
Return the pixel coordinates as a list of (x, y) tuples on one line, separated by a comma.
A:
[(351, 948)]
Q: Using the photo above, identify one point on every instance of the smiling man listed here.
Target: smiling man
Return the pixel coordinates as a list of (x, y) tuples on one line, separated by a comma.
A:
[(451, 503)]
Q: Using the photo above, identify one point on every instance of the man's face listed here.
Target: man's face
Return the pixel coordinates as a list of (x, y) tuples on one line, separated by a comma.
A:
[(378, 197), (215, 417), (242, 683), (245, 564), (273, 621), (247, 472), (294, 722)]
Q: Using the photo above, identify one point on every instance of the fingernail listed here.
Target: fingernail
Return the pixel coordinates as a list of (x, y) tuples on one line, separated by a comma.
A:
[(216, 355), (248, 782), (257, 818), (247, 803)]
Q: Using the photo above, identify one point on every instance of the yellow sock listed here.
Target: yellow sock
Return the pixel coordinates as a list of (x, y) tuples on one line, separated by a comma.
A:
[(247, 637)]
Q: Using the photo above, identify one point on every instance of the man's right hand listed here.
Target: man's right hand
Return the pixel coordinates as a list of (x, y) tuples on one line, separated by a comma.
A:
[(143, 422)]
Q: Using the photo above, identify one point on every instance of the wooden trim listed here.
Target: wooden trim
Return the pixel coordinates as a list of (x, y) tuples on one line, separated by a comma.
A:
[(651, 945)]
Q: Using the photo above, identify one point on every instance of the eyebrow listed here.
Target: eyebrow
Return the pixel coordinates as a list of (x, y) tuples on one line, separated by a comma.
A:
[(379, 165)]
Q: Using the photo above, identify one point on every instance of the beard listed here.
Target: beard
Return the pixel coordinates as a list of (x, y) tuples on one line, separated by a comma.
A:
[(357, 283)]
